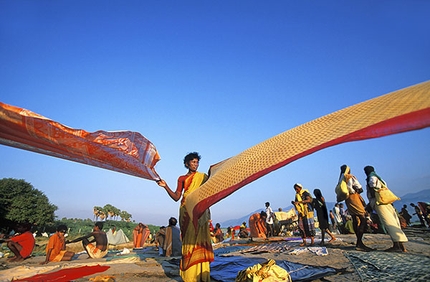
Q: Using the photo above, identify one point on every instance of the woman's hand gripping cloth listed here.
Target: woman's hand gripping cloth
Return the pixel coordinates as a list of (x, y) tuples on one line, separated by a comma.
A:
[(400, 111)]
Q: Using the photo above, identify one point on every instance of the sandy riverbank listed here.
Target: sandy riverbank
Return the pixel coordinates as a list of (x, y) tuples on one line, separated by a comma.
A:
[(146, 265)]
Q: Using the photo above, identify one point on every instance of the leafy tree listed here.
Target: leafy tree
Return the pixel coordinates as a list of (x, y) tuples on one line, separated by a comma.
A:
[(21, 202), (111, 211), (125, 216), (97, 212)]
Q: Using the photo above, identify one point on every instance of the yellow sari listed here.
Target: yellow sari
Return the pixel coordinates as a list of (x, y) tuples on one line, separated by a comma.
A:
[(197, 250)]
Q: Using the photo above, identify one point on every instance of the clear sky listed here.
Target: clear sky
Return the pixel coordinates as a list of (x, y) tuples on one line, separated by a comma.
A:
[(215, 77)]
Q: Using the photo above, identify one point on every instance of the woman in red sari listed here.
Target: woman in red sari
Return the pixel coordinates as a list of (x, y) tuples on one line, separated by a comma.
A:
[(197, 252)]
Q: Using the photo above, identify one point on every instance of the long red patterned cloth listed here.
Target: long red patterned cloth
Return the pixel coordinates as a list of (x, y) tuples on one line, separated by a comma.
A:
[(67, 274), (122, 151), (400, 111)]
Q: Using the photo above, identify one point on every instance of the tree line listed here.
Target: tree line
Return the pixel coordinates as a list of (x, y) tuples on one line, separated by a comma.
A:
[(21, 202), (109, 211)]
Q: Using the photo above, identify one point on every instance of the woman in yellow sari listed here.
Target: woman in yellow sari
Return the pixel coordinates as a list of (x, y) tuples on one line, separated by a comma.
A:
[(197, 252), (303, 205)]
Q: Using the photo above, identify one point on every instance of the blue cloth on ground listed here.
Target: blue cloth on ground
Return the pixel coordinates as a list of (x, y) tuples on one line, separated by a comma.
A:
[(226, 268)]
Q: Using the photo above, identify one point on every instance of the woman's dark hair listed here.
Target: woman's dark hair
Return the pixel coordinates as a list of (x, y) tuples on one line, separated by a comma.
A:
[(343, 168), (369, 169), (317, 193), (190, 157)]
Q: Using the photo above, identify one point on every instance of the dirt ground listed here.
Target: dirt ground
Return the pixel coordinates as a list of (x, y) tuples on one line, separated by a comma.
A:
[(151, 267)]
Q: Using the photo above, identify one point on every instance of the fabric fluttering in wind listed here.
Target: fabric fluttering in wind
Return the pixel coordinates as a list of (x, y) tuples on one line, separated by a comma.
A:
[(122, 151), (400, 111)]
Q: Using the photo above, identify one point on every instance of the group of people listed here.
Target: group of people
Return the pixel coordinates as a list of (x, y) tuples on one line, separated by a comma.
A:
[(357, 213), (422, 211), (196, 248), (22, 243)]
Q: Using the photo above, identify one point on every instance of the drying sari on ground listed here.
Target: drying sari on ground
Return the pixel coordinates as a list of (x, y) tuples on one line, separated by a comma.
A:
[(306, 215), (197, 250)]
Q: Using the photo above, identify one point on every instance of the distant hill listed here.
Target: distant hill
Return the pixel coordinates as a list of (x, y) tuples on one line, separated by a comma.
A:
[(421, 196)]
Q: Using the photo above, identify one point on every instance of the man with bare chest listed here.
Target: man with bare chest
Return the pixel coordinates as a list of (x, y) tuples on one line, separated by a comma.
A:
[(100, 248)]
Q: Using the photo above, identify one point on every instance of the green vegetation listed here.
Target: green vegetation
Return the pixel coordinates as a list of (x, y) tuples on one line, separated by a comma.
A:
[(21, 202), (79, 227)]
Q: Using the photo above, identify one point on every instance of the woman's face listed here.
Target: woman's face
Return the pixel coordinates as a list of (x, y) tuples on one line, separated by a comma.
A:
[(193, 165)]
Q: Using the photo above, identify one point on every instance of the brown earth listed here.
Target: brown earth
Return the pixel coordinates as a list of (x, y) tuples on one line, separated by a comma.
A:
[(151, 267)]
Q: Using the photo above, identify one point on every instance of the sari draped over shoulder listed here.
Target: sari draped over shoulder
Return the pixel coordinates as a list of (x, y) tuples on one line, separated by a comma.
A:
[(355, 203), (302, 209), (197, 250), (305, 214)]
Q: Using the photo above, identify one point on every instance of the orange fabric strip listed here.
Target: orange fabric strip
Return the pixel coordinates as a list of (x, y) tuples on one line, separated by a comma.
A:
[(122, 151)]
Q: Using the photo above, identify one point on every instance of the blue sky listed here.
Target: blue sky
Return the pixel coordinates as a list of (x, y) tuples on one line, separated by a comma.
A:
[(213, 77)]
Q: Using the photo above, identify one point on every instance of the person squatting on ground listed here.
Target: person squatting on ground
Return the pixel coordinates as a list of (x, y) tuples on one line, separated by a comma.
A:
[(56, 248), (387, 213), (303, 204), (100, 249), (197, 252), (243, 233), (22, 243), (356, 206), (322, 214)]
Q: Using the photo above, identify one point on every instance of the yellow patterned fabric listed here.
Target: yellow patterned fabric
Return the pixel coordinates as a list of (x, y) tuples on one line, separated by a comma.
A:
[(301, 208), (400, 111), (197, 250)]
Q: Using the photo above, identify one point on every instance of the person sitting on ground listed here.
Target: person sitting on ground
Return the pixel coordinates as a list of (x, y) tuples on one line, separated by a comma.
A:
[(160, 237), (257, 224), (230, 233), (140, 234), (219, 235), (56, 248), (349, 226), (22, 243), (243, 233), (100, 249), (173, 242)]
